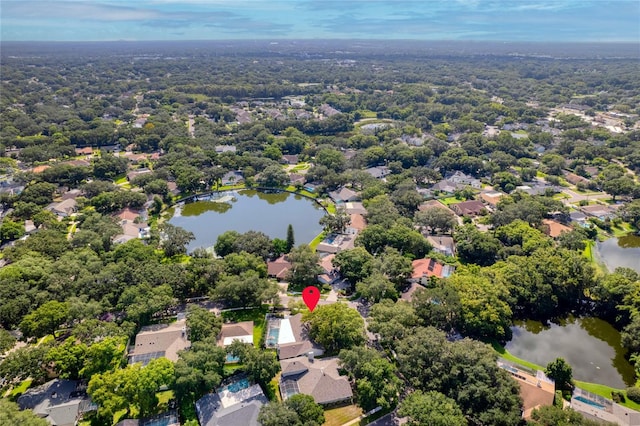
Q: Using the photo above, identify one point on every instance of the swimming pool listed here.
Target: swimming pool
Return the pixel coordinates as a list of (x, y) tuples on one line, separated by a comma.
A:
[(272, 336), (232, 359), (237, 386), (588, 401)]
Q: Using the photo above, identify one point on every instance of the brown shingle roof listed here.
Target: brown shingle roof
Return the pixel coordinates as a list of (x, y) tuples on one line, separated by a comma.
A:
[(167, 338), (237, 329), (319, 378)]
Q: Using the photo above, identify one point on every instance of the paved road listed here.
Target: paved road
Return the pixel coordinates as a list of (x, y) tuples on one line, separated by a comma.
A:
[(575, 198)]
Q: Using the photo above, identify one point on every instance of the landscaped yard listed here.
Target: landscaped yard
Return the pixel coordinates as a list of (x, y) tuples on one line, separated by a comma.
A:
[(450, 200), (256, 315), (341, 415)]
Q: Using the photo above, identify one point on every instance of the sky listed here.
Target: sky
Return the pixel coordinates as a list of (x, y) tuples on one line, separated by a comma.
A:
[(501, 20)]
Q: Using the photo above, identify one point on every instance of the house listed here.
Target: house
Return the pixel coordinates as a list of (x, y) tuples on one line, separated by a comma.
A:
[(578, 217), (316, 377), (491, 197), (87, 150), (64, 208), (289, 159), (241, 331), (445, 186), (356, 224), (354, 207), (293, 339), (60, 402), (40, 169), (132, 230), (442, 244), (278, 268), (29, 226), (344, 195), (594, 407), (433, 204), (225, 148), (173, 188), (423, 269), (135, 173), (378, 172), (127, 214), (71, 194), (159, 340), (460, 178), (329, 272), (468, 208), (536, 391), (407, 295), (233, 177), (335, 243), (296, 179), (599, 211), (327, 110), (553, 228), (231, 406), (574, 179), (168, 418)]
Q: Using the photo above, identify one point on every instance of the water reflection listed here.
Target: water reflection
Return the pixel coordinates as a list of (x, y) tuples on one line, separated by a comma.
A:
[(590, 345), (620, 252)]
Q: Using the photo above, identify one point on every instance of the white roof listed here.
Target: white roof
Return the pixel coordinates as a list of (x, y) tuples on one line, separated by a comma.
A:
[(286, 332), (244, 339), (228, 398)]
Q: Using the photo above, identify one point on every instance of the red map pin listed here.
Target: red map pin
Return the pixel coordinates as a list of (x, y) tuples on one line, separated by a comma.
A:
[(311, 296)]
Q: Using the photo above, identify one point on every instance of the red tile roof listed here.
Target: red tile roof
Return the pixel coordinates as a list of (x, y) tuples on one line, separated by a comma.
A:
[(426, 268)]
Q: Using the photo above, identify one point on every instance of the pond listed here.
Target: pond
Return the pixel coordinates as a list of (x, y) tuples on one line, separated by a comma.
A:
[(620, 252), (590, 345), (249, 210)]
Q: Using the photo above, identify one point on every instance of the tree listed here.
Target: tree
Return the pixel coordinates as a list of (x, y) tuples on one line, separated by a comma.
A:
[(131, 387), (225, 243), (103, 356), (305, 267), (291, 241), (620, 186), (484, 310), (202, 324), (335, 326), (436, 218), (555, 416), (465, 371), (392, 321), (476, 247), (10, 230), (261, 366), (254, 242), (377, 384), (396, 267), (561, 373), (67, 358), (272, 176), (355, 264), (174, 239), (309, 413), (337, 222), (631, 213), (109, 166), (247, 289), (199, 369), (142, 301), (381, 211), (376, 287), (45, 320), (438, 307), (10, 414), (237, 263), (431, 408), (23, 363), (278, 414), (6, 341)]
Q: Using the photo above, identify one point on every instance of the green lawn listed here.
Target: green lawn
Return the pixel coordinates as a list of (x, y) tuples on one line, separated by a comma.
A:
[(20, 389), (317, 240), (365, 113), (449, 200), (256, 315), (341, 415)]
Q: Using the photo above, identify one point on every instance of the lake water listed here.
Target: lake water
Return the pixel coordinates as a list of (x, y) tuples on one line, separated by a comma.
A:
[(590, 345), (250, 210), (620, 252)]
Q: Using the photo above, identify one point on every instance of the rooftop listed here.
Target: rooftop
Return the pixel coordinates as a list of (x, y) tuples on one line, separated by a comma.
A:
[(160, 340), (242, 331), (316, 377)]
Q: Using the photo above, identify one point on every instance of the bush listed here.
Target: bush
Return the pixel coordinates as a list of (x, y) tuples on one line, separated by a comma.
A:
[(617, 396), (633, 394)]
